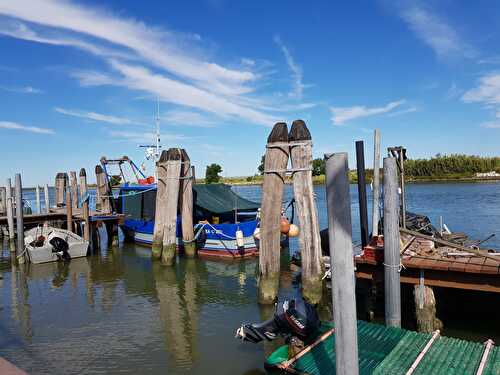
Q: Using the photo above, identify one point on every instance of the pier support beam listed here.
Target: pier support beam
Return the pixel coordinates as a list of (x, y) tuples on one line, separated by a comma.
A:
[(186, 205), (425, 309), (392, 260), (376, 181), (342, 258), (310, 244), (19, 213), (275, 162), (10, 209), (85, 204), (363, 211)]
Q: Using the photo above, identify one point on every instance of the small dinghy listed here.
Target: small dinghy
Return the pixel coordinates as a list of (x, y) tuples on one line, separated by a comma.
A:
[(49, 244)]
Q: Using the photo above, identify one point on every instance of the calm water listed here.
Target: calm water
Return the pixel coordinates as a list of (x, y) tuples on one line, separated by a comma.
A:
[(118, 312)]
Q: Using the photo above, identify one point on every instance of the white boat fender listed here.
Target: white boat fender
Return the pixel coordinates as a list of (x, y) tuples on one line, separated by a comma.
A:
[(239, 238), (256, 233)]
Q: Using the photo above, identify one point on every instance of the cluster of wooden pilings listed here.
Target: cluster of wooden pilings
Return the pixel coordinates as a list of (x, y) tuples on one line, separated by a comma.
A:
[(174, 195), (281, 147)]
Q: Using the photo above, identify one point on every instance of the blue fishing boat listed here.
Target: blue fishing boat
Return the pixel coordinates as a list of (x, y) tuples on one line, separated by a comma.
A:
[(219, 213)]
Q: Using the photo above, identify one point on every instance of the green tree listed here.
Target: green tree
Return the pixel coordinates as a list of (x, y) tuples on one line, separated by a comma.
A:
[(212, 174), (261, 165), (318, 167)]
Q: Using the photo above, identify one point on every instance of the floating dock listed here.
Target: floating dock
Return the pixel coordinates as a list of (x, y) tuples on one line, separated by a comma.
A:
[(389, 350)]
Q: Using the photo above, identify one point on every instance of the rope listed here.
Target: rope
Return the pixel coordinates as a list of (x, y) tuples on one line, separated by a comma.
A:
[(399, 267)]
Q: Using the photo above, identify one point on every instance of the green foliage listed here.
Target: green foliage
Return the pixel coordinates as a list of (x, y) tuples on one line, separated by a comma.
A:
[(318, 167), (456, 164), (212, 174), (261, 165)]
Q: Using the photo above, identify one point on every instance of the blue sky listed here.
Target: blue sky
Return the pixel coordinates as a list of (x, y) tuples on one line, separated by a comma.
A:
[(79, 80)]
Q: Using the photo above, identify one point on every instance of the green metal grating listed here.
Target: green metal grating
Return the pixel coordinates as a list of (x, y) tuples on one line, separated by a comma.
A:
[(392, 351)]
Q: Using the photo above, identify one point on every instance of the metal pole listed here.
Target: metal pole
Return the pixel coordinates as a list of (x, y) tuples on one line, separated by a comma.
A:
[(341, 255), (10, 210), (47, 200), (376, 182), (19, 213), (403, 201), (37, 193), (363, 211), (392, 259)]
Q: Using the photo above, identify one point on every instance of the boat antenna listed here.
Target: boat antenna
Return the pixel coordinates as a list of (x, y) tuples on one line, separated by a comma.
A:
[(157, 155)]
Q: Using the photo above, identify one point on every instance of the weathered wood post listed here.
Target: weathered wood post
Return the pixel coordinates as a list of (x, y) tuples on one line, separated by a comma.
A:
[(342, 258), (161, 197), (19, 213), (60, 187), (376, 181), (172, 184), (186, 203), (10, 209), (275, 163), (392, 260), (85, 204), (46, 197), (310, 244), (425, 308), (74, 189), (103, 196), (37, 197), (363, 211), (69, 207), (3, 199)]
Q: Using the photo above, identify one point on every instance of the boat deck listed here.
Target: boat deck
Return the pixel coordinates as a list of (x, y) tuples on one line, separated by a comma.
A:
[(388, 350)]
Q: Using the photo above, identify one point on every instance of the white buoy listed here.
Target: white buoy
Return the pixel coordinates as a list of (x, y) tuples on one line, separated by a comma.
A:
[(239, 238), (294, 230)]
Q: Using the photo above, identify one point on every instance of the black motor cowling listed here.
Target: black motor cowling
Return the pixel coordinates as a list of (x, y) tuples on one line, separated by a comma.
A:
[(60, 247), (293, 317)]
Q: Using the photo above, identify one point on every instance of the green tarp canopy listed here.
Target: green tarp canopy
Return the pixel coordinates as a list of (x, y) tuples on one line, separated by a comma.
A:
[(219, 199)]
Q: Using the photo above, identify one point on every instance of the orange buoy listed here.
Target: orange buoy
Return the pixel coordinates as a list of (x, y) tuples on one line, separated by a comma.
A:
[(293, 230), (284, 225)]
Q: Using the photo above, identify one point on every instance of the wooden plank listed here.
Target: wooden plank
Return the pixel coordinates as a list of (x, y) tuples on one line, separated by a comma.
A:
[(307, 213), (276, 158)]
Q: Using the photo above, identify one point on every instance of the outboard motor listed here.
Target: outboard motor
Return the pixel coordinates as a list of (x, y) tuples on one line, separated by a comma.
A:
[(293, 318), (60, 247)]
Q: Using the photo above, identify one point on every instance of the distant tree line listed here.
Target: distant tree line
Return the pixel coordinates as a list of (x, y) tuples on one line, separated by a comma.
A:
[(442, 165)]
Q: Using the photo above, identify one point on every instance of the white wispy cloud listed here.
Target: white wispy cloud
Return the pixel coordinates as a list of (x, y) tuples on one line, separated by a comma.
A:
[(341, 115), (141, 57), (32, 129), (491, 125), (435, 31), (187, 118), (296, 70), (22, 90), (403, 111), (453, 92), (99, 117), (145, 137), (487, 93)]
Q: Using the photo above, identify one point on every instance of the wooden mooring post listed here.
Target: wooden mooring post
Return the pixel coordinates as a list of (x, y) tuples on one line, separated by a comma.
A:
[(85, 204), (363, 211), (392, 260), (60, 187), (186, 205), (74, 189), (10, 210), (310, 244), (341, 255), (376, 181), (103, 202), (46, 198), (69, 207), (275, 163), (19, 213), (37, 197), (425, 307)]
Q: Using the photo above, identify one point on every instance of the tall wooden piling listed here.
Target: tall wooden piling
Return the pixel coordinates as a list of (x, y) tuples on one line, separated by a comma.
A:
[(46, 197), (104, 193), (69, 207), (10, 209), (37, 197), (342, 258), (186, 205), (309, 238), (363, 211), (85, 204), (170, 205), (3, 199), (425, 309), (376, 181), (60, 188), (19, 213), (161, 191), (392, 260), (275, 163), (74, 189)]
